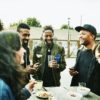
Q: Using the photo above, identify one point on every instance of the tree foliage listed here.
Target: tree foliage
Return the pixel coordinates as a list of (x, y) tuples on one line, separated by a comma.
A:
[(15, 24), (1, 26), (33, 22), (30, 21), (65, 26)]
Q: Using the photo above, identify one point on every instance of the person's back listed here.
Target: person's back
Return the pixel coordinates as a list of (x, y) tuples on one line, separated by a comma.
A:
[(94, 73), (12, 76)]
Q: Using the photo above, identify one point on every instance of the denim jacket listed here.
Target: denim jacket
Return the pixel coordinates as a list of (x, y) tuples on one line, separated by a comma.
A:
[(5, 91)]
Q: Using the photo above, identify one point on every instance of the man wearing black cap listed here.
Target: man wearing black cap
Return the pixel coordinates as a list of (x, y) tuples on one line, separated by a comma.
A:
[(87, 35)]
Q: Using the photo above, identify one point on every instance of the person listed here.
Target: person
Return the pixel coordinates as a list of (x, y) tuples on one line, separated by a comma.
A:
[(12, 77), (93, 77), (49, 74), (85, 54), (24, 32)]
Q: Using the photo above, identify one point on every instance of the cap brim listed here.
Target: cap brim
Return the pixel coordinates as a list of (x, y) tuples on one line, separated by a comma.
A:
[(79, 28)]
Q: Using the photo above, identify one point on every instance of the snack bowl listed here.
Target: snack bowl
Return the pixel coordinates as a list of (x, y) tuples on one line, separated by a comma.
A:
[(73, 95), (43, 94), (83, 90)]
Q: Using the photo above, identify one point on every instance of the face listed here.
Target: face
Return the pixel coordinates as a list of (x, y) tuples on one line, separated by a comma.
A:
[(85, 37), (48, 37), (97, 55), (19, 55), (24, 35)]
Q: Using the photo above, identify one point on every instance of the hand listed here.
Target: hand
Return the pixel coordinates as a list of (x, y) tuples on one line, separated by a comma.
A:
[(36, 66), (72, 71), (54, 64), (30, 85), (29, 69)]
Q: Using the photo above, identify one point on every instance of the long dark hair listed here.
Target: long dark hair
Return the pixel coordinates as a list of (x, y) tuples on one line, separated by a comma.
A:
[(10, 70), (97, 47)]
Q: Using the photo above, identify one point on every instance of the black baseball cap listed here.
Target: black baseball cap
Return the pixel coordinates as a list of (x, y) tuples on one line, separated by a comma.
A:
[(87, 27)]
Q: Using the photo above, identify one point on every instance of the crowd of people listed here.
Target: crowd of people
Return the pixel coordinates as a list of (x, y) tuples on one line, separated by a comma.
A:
[(15, 67)]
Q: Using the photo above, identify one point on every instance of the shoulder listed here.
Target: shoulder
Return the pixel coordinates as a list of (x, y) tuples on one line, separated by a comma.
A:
[(3, 86), (5, 90), (59, 47), (39, 46)]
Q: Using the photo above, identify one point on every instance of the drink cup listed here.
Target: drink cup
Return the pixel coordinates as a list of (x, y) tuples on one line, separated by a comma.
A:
[(38, 85), (50, 59)]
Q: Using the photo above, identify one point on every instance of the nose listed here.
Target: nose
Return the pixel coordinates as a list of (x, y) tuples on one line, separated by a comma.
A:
[(49, 37), (80, 36), (27, 37)]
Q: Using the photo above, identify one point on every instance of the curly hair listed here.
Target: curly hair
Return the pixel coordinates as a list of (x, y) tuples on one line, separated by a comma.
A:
[(97, 47), (10, 71), (48, 27)]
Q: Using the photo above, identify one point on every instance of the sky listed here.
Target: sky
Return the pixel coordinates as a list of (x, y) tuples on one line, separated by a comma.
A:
[(52, 12)]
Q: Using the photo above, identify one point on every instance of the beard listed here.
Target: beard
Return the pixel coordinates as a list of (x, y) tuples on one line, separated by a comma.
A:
[(25, 43), (84, 42)]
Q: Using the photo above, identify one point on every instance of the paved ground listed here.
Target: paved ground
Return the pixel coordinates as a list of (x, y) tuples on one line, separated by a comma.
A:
[(65, 77)]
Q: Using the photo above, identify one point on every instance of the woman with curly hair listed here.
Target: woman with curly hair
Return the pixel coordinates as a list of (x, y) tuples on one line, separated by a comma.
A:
[(12, 76)]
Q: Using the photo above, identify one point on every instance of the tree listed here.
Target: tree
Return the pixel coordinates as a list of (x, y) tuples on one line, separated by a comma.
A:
[(15, 24), (1, 26), (65, 26), (33, 22)]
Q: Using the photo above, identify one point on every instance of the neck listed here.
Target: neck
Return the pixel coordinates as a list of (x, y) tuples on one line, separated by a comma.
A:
[(49, 45), (25, 44), (91, 45)]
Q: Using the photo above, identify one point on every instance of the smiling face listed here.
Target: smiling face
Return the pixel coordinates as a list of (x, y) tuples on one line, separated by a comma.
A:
[(24, 35), (85, 37), (48, 37)]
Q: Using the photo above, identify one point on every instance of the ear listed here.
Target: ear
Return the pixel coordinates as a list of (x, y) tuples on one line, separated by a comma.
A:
[(93, 36)]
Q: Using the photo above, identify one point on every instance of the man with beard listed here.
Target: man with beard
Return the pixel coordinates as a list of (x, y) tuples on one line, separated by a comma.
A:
[(24, 32), (50, 74), (85, 54)]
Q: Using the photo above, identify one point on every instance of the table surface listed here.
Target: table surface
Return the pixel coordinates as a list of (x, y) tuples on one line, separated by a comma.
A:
[(60, 93)]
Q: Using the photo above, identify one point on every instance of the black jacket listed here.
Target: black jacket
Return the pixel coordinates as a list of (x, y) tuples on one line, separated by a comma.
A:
[(83, 61), (93, 81), (26, 57)]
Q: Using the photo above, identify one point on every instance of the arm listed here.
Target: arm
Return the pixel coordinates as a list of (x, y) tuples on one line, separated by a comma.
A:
[(27, 90), (73, 70), (62, 64), (59, 62), (5, 91)]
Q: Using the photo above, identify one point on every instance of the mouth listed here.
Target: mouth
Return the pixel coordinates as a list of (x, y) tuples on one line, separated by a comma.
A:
[(25, 41), (81, 40)]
